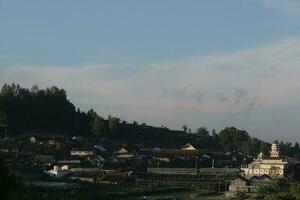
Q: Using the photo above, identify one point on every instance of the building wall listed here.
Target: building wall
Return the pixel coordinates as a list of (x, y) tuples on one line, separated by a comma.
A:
[(264, 167), (81, 153)]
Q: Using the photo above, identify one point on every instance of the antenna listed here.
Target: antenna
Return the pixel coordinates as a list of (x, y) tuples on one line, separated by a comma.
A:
[(196, 163)]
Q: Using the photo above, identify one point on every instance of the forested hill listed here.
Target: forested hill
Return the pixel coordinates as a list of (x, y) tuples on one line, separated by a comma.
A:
[(38, 110), (49, 111)]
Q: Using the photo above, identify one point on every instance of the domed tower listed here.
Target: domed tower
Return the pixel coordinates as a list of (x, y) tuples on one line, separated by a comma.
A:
[(274, 153)]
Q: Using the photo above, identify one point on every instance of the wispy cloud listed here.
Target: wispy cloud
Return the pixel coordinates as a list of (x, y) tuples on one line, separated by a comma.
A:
[(205, 89), (289, 7)]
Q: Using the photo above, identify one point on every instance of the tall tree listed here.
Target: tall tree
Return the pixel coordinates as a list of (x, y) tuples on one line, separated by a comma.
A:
[(98, 126), (3, 118), (264, 147), (113, 124), (246, 147), (202, 131), (233, 139), (296, 148), (10, 185), (185, 128), (34, 89)]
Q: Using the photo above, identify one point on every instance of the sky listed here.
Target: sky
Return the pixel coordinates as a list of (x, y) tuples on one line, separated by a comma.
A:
[(163, 62)]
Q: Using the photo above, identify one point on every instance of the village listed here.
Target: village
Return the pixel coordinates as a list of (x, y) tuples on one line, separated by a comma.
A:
[(60, 163)]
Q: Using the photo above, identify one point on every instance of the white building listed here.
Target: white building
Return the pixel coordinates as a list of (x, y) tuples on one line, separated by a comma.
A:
[(58, 171), (33, 139), (82, 152), (188, 147), (273, 165), (122, 151)]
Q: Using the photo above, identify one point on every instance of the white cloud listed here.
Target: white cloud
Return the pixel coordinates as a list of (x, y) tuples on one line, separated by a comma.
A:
[(289, 7), (213, 90), (254, 71)]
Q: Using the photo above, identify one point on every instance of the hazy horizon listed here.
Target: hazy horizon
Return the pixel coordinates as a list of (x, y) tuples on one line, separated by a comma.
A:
[(201, 63)]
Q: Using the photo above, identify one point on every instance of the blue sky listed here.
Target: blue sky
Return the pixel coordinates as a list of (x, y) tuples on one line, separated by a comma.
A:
[(201, 63)]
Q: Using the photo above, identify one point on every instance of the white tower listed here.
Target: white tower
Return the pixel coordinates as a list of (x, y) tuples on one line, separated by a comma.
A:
[(274, 151)]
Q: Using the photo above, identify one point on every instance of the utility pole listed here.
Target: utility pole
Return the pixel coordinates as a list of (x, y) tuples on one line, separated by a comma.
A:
[(196, 164), (3, 128)]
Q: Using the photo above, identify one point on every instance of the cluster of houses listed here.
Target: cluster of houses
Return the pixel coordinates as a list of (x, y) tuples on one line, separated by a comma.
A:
[(260, 171), (46, 160), (57, 161), (273, 164)]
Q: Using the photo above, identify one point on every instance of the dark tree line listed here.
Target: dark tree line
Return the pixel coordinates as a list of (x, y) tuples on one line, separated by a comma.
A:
[(48, 110), (236, 140), (11, 187), (37, 110)]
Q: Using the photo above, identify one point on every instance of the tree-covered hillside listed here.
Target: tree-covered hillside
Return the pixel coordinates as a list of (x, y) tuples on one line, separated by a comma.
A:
[(38, 110), (48, 111)]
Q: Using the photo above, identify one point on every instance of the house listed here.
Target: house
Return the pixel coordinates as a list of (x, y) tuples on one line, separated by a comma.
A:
[(122, 151), (188, 147), (55, 142), (58, 172), (51, 142), (188, 152), (262, 179), (33, 140), (53, 185), (89, 179), (44, 159), (126, 153), (257, 181), (273, 165), (162, 159), (39, 139), (98, 160), (100, 148), (247, 185), (125, 156), (128, 148), (239, 184), (82, 152), (172, 171), (9, 148), (205, 156), (70, 163), (77, 138), (228, 153)]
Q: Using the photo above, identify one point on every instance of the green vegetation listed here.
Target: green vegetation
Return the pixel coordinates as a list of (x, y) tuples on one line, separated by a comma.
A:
[(202, 131), (49, 111), (279, 190), (240, 195), (11, 187), (274, 172), (40, 110)]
